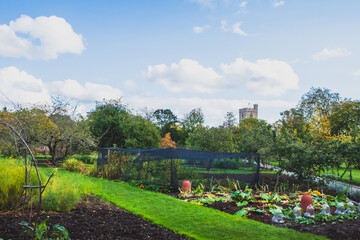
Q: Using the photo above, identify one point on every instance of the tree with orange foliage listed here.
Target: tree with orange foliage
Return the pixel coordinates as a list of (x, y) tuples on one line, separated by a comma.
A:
[(166, 142)]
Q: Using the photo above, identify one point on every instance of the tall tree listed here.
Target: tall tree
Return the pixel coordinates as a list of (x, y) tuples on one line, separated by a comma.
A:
[(229, 120), (320, 100), (345, 118), (106, 121), (193, 119), (140, 133), (211, 139), (114, 124)]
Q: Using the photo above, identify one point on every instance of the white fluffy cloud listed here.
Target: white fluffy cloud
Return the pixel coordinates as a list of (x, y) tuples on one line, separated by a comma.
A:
[(235, 28), (200, 29), (187, 75), (326, 54), (278, 3), (41, 38), (265, 76), (89, 92), (21, 87)]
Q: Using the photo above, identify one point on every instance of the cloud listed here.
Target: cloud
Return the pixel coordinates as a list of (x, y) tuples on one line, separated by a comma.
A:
[(39, 38), (200, 29), (356, 73), (21, 87), (89, 92), (187, 75), (204, 3), (243, 4), (326, 54), (278, 3), (235, 28), (265, 76)]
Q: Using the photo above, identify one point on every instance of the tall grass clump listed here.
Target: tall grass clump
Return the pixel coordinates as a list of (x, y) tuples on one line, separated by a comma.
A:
[(74, 165), (88, 159), (12, 180), (63, 193)]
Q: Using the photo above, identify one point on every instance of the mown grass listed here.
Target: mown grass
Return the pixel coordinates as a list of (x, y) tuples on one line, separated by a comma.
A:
[(185, 218)]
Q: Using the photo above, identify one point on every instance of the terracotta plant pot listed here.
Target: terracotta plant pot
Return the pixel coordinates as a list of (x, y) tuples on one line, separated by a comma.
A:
[(306, 200), (186, 186)]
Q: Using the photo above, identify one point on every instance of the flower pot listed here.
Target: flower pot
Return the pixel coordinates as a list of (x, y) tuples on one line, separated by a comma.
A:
[(186, 186), (306, 200)]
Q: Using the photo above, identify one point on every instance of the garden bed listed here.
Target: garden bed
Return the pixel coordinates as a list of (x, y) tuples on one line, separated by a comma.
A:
[(92, 219), (347, 229)]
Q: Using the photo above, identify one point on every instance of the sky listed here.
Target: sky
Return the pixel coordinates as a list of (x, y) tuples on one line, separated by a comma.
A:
[(217, 55)]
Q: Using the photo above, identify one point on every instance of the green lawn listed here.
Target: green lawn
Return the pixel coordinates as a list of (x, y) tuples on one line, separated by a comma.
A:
[(355, 173), (185, 218)]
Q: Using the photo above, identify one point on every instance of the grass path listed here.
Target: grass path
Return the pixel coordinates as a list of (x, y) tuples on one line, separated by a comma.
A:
[(185, 218)]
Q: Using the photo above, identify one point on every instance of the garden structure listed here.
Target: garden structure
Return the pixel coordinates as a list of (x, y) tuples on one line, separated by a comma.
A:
[(173, 164)]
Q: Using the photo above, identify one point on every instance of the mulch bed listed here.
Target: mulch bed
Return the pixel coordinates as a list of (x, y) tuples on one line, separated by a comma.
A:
[(92, 219)]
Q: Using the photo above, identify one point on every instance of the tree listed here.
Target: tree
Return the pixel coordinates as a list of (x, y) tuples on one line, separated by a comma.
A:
[(345, 117), (229, 120), (166, 142), (211, 139), (253, 135), (140, 133), (192, 120), (318, 99), (167, 122), (56, 128), (113, 124), (164, 118), (106, 122)]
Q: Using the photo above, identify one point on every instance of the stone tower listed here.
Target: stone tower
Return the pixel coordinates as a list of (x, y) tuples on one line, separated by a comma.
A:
[(248, 113)]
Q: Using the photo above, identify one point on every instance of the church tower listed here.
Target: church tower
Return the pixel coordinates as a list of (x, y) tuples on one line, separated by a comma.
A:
[(248, 113)]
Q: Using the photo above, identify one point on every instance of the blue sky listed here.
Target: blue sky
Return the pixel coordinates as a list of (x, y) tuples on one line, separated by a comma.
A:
[(219, 55)]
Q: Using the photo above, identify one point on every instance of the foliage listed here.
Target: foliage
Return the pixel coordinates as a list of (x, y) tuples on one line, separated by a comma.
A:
[(166, 142), (140, 133), (192, 120), (42, 231), (11, 183), (62, 194), (57, 129), (211, 139), (318, 99), (167, 122), (114, 124), (88, 159), (243, 195), (74, 165), (253, 135), (229, 120)]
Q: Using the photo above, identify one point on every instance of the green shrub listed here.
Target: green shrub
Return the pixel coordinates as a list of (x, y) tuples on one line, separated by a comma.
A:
[(12, 180), (74, 165)]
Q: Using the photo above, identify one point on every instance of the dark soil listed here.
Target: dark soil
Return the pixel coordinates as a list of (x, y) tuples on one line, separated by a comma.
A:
[(91, 219)]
